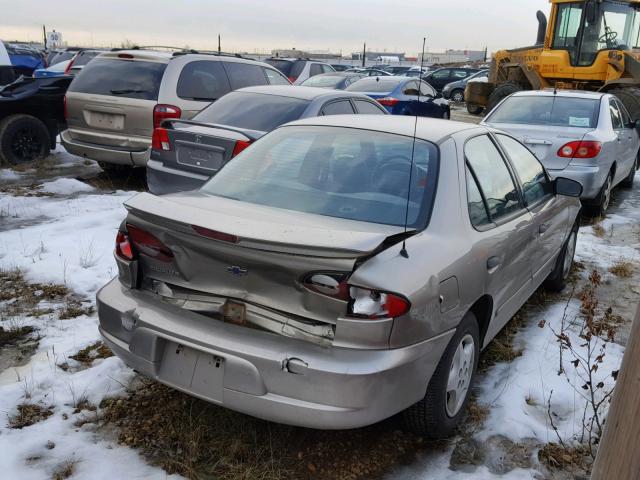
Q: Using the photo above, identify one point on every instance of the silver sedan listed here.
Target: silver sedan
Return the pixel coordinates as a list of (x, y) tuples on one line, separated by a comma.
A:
[(585, 136), (340, 270)]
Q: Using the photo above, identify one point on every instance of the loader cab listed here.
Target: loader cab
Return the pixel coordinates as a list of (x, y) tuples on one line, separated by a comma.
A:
[(584, 29)]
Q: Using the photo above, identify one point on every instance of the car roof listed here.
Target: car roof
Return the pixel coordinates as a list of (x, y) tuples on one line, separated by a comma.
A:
[(149, 55), (560, 93), (430, 129), (298, 91), (337, 74)]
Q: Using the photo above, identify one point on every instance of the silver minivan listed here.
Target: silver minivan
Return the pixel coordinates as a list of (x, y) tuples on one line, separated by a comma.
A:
[(585, 136), (114, 104)]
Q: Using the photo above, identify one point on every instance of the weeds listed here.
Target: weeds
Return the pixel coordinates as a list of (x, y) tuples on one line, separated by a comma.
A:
[(622, 269), (29, 414), (88, 354), (65, 470), (73, 309)]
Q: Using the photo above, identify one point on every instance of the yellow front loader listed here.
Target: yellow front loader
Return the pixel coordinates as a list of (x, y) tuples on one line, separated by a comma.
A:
[(585, 45)]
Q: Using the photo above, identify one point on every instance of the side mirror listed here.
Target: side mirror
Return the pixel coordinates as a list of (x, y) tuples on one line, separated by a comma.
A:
[(567, 187)]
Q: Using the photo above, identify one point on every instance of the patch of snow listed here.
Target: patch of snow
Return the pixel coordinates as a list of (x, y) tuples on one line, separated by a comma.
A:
[(8, 174), (65, 186)]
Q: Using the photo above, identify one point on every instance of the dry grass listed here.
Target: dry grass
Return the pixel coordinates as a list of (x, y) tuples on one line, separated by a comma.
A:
[(565, 458), (65, 470), (73, 309), (14, 286), (501, 348), (25, 191), (202, 441), (88, 354), (13, 334), (622, 269), (28, 414), (599, 231)]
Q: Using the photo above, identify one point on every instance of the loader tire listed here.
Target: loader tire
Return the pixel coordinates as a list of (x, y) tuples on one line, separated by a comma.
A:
[(630, 98), (501, 92)]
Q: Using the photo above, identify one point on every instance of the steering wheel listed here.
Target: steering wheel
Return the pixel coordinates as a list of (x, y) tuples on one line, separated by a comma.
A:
[(608, 37)]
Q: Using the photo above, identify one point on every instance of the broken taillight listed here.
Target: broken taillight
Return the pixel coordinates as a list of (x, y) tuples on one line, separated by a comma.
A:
[(240, 146), (374, 304), (329, 284), (147, 244), (123, 247)]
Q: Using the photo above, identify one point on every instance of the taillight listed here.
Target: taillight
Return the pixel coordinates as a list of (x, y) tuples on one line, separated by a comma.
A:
[(64, 107), (162, 112), (147, 244), (123, 247), (240, 146), (387, 101), (292, 79), (216, 235), (329, 284), (374, 304), (580, 149), (160, 139), (69, 65)]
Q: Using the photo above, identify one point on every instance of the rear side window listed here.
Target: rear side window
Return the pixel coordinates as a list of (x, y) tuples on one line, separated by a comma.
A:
[(291, 68), (202, 80), (478, 213), (616, 118), (495, 182), (368, 108), (341, 107), (316, 69), (548, 110), (253, 111), (275, 77), (244, 75), (122, 78)]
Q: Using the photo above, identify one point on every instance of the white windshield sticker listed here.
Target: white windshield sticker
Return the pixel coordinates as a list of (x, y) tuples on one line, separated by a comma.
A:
[(578, 121)]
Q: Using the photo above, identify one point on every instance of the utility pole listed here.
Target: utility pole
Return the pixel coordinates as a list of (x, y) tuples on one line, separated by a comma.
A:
[(617, 456), (44, 36), (364, 54), (219, 45), (486, 51)]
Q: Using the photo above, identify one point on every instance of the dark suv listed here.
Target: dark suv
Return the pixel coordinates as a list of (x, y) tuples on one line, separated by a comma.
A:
[(439, 78), (298, 70)]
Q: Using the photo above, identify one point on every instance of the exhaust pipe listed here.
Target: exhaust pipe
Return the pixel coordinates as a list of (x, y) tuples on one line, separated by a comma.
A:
[(542, 27)]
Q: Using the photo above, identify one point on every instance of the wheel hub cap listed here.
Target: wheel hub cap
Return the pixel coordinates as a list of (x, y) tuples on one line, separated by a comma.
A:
[(607, 195), (460, 375), (25, 145)]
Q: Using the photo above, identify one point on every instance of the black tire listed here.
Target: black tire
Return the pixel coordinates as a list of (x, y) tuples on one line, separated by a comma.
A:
[(600, 205), (630, 98), (557, 279), (628, 182), (474, 109), (446, 115), (501, 92), (459, 94), (429, 417), (23, 139)]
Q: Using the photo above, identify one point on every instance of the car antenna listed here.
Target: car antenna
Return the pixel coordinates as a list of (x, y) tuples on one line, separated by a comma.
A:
[(404, 252)]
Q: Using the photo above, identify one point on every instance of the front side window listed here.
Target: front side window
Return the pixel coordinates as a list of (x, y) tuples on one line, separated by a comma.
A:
[(567, 29), (535, 184), (495, 182), (337, 172), (441, 74), (202, 80)]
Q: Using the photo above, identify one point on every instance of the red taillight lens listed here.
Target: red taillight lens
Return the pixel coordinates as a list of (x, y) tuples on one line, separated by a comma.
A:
[(292, 79), (69, 65), (160, 139), (240, 146), (388, 101), (126, 56), (147, 244), (375, 304), (224, 237), (580, 149), (329, 284), (123, 247), (162, 112)]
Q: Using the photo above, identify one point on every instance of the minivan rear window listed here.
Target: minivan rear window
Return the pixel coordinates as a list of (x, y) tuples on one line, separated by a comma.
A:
[(554, 111), (337, 172), (122, 78), (253, 111)]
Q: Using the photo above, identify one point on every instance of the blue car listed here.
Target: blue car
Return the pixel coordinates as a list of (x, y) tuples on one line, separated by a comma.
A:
[(25, 60), (399, 95)]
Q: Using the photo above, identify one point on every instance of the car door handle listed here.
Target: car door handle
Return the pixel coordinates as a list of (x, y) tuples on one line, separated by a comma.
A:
[(493, 263), (544, 227)]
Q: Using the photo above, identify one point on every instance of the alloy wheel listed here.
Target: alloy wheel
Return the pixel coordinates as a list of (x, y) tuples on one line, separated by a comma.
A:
[(606, 200), (458, 97), (25, 145), (460, 375)]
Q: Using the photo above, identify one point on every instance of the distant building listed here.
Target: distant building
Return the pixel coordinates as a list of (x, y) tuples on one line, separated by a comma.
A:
[(454, 56), (374, 55), (294, 53)]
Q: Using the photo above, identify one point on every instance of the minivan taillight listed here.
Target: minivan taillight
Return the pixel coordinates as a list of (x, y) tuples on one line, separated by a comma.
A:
[(162, 112), (580, 149), (147, 244), (160, 139), (240, 146), (123, 247)]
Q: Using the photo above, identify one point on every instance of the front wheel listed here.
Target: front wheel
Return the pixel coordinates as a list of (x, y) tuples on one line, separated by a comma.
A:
[(23, 139), (457, 96), (441, 410), (474, 109)]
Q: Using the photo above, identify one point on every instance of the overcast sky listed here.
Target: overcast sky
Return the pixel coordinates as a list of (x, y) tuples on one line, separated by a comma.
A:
[(260, 25)]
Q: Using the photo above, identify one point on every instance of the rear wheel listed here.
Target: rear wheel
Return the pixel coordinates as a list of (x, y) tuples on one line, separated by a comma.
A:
[(439, 413), (557, 280), (474, 109), (630, 98), (501, 92), (23, 139), (601, 204), (628, 182), (457, 96)]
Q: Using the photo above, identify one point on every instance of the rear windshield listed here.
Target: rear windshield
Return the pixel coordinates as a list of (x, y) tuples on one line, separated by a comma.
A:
[(253, 111), (122, 78), (338, 172), (374, 84), (554, 111), (84, 58), (61, 57), (291, 68), (323, 81)]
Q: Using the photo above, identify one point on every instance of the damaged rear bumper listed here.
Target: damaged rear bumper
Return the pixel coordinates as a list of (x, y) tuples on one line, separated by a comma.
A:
[(260, 373)]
